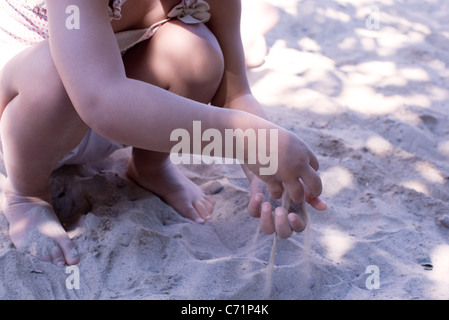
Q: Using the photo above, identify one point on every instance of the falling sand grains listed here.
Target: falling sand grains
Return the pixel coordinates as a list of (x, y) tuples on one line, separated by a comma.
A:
[(307, 247)]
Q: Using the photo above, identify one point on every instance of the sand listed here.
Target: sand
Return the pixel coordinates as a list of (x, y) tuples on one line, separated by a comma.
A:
[(373, 105)]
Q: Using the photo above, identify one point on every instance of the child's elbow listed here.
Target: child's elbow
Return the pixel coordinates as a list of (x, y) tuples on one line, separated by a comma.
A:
[(94, 108)]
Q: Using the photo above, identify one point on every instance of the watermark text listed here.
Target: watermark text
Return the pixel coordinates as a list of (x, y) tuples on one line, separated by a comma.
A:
[(373, 20), (249, 146), (373, 280), (73, 20), (73, 280)]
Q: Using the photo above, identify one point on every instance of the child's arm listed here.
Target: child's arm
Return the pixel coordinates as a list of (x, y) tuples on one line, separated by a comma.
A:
[(234, 92), (125, 110), (138, 114)]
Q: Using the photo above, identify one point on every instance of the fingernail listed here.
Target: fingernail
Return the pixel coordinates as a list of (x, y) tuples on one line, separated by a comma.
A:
[(265, 207), (200, 220), (279, 212)]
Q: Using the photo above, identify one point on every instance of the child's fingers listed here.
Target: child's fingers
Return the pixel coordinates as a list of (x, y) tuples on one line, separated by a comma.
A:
[(295, 190), (254, 205), (266, 219), (275, 188), (312, 182), (296, 223), (318, 204), (313, 161), (283, 228)]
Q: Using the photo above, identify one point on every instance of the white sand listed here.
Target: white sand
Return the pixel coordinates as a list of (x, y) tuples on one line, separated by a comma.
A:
[(372, 104)]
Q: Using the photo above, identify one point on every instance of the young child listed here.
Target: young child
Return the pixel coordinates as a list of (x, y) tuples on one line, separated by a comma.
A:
[(94, 76)]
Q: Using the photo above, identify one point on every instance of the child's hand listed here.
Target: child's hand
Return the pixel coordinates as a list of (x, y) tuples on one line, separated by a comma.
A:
[(296, 170), (282, 222), (297, 175)]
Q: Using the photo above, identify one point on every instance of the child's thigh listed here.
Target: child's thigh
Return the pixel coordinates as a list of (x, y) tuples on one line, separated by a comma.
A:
[(178, 53), (33, 75)]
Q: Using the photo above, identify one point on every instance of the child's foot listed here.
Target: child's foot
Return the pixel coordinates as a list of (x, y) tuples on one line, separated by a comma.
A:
[(175, 189), (35, 229)]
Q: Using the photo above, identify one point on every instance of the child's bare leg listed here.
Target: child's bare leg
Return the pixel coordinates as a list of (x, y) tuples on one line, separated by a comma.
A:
[(187, 61), (258, 17), (38, 126)]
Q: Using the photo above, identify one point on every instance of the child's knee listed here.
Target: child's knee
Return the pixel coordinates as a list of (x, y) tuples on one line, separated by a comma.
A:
[(201, 63), (7, 90), (179, 56), (194, 54)]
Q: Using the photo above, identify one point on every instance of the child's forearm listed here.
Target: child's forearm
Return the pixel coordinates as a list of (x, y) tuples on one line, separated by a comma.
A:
[(248, 103), (138, 114)]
